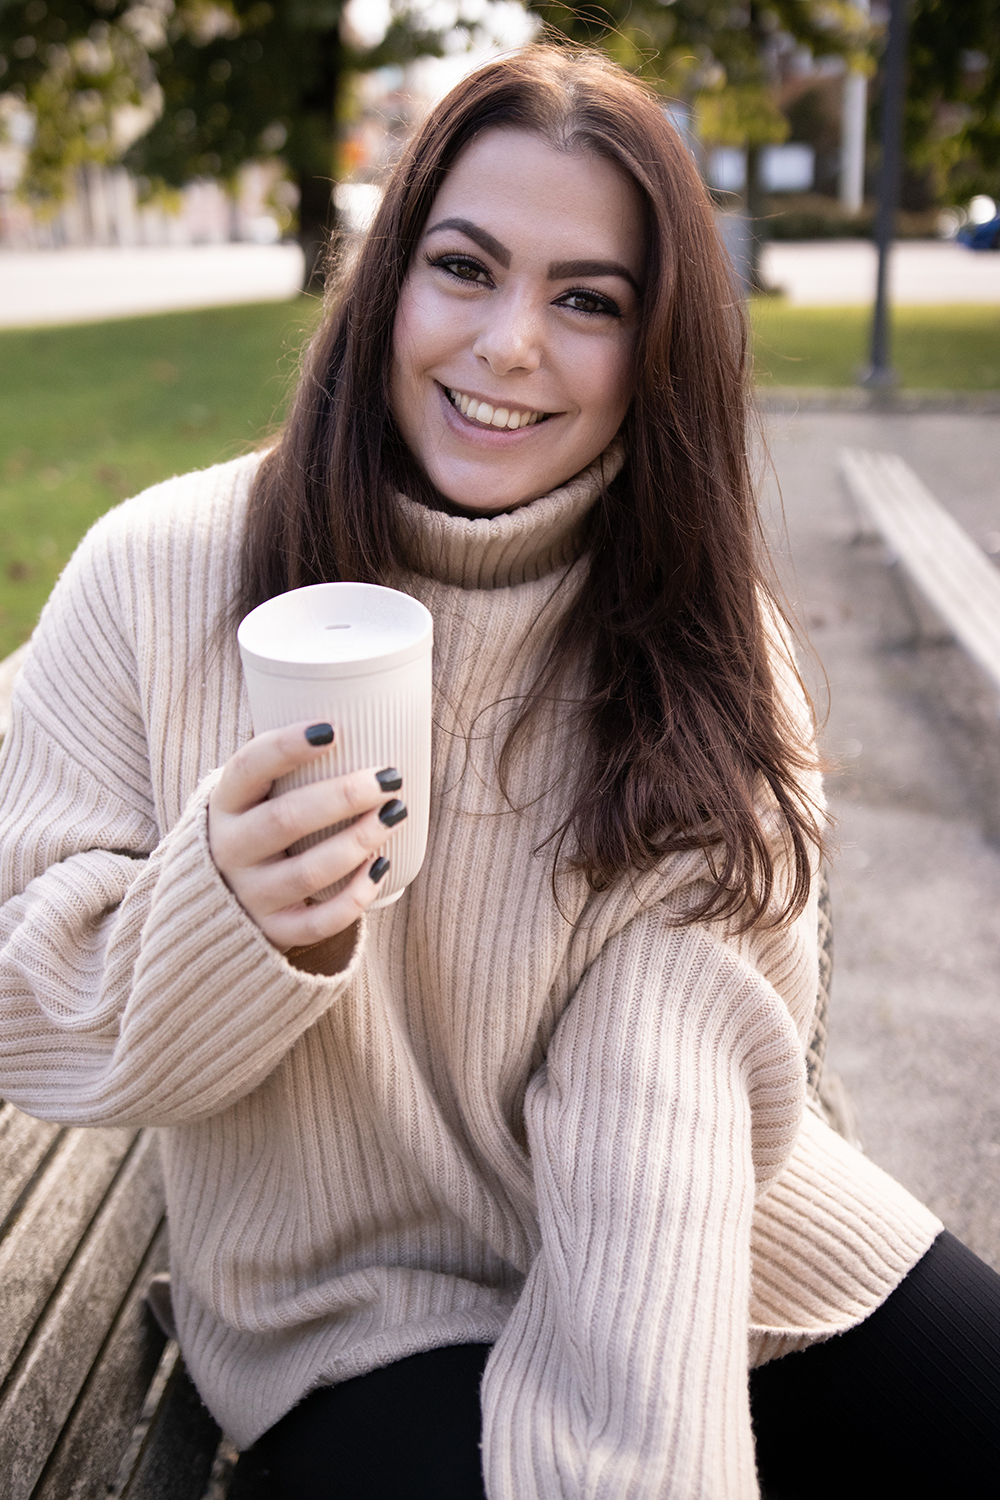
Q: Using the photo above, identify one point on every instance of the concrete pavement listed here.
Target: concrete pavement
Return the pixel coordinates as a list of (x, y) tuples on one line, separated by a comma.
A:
[(829, 273), (915, 1022), (80, 286)]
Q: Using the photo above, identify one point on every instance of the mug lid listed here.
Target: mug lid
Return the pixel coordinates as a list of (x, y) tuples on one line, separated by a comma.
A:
[(335, 630)]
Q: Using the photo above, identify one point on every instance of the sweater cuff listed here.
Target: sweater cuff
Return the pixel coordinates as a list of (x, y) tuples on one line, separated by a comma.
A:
[(214, 1005)]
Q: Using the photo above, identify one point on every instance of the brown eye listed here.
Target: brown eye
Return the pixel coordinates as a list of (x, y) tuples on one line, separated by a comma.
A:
[(586, 301), (462, 267)]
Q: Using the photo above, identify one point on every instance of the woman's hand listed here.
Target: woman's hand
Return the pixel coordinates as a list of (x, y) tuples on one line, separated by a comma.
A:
[(248, 836)]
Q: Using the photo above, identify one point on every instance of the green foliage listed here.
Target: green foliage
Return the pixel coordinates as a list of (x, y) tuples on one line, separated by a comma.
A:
[(711, 52), (222, 82), (953, 96), (93, 413), (260, 78), (76, 64), (717, 56), (740, 114)]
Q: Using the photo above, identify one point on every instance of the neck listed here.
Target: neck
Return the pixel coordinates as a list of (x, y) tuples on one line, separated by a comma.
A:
[(514, 547)]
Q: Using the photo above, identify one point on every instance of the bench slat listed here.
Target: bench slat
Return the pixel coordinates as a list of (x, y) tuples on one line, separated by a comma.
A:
[(176, 1460), (23, 1144), (40, 1243), (75, 1324), (950, 568), (89, 1453), (955, 575)]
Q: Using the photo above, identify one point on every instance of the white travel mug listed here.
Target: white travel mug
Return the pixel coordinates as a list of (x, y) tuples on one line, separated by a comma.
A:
[(358, 657)]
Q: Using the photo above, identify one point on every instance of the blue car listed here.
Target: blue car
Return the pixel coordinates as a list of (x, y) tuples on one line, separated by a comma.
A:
[(981, 236)]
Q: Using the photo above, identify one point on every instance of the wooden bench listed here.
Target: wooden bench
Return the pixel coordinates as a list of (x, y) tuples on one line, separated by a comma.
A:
[(952, 574), (94, 1399), (95, 1403)]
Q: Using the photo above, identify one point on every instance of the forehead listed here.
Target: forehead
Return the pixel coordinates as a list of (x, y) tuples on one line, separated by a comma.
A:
[(541, 201)]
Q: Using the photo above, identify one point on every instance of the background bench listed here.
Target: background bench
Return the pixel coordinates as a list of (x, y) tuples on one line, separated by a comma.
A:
[(951, 573)]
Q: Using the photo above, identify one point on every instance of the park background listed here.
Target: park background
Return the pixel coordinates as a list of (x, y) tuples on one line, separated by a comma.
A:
[(170, 171)]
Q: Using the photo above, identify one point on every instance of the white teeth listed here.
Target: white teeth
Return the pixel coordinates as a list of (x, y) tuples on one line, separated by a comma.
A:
[(489, 416)]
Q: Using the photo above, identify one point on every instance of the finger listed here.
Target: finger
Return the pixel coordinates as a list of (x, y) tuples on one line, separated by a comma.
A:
[(267, 888), (268, 829), (251, 772), (305, 925)]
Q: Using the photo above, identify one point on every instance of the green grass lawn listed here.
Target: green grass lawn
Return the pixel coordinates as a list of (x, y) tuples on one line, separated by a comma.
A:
[(93, 413), (937, 348)]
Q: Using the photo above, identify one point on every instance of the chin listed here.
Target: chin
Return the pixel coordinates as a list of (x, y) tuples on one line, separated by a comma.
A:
[(485, 499), (483, 495)]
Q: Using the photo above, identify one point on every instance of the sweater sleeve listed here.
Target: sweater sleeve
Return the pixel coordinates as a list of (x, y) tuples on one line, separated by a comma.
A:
[(671, 1095), (133, 986)]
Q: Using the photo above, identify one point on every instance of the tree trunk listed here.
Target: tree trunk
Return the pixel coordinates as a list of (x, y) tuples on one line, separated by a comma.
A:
[(317, 222), (754, 195), (314, 163)]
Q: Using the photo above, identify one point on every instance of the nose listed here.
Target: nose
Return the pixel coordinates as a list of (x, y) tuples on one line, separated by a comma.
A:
[(510, 338)]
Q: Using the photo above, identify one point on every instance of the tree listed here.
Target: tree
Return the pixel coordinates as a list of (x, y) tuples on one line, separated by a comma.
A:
[(213, 84), (78, 66), (952, 129), (719, 58)]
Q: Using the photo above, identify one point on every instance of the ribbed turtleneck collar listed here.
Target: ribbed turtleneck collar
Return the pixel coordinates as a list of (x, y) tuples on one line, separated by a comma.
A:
[(491, 552)]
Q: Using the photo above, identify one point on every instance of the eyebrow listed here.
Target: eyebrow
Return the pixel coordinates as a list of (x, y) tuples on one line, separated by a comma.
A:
[(559, 270), (480, 237)]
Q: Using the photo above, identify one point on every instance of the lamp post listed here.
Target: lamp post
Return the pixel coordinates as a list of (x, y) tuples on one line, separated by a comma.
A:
[(879, 372)]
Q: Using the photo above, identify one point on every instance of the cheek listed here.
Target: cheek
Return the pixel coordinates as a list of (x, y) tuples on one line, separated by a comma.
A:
[(423, 330), (610, 385), (405, 368)]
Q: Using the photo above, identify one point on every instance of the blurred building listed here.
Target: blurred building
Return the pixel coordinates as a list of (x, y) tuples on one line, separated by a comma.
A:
[(106, 207)]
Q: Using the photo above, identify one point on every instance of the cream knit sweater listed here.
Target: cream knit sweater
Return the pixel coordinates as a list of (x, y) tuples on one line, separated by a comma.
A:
[(578, 1133)]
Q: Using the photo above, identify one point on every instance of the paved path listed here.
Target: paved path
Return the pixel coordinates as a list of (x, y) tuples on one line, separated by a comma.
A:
[(78, 286), (915, 1028), (70, 286), (842, 272)]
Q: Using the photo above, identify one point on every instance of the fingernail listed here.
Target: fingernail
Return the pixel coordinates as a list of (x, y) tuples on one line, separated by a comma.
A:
[(392, 813), (379, 869), (319, 734), (389, 779)]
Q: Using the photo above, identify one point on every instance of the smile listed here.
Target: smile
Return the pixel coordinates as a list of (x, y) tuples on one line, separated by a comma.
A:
[(486, 415)]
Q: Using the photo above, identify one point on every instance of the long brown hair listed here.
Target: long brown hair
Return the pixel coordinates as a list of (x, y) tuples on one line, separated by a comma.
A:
[(691, 745)]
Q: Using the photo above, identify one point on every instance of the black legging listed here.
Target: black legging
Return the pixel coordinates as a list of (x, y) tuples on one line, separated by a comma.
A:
[(904, 1407)]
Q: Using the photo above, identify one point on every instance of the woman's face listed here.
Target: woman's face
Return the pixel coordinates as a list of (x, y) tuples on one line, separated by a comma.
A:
[(513, 342)]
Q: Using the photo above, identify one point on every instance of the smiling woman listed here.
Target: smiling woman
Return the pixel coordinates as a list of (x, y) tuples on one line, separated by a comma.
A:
[(516, 330), (504, 1187)]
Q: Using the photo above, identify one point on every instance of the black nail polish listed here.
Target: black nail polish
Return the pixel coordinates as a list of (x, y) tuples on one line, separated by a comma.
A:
[(320, 734), (389, 779), (379, 869), (392, 813)]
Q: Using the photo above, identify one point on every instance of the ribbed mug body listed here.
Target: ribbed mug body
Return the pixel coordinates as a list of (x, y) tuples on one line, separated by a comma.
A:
[(376, 693)]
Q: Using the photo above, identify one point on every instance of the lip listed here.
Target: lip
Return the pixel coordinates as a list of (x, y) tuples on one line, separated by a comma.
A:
[(487, 437)]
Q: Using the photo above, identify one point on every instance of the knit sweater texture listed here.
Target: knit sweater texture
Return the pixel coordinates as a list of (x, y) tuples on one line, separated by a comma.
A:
[(574, 1129)]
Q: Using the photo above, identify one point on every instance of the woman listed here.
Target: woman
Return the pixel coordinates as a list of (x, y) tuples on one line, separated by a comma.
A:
[(543, 1118)]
